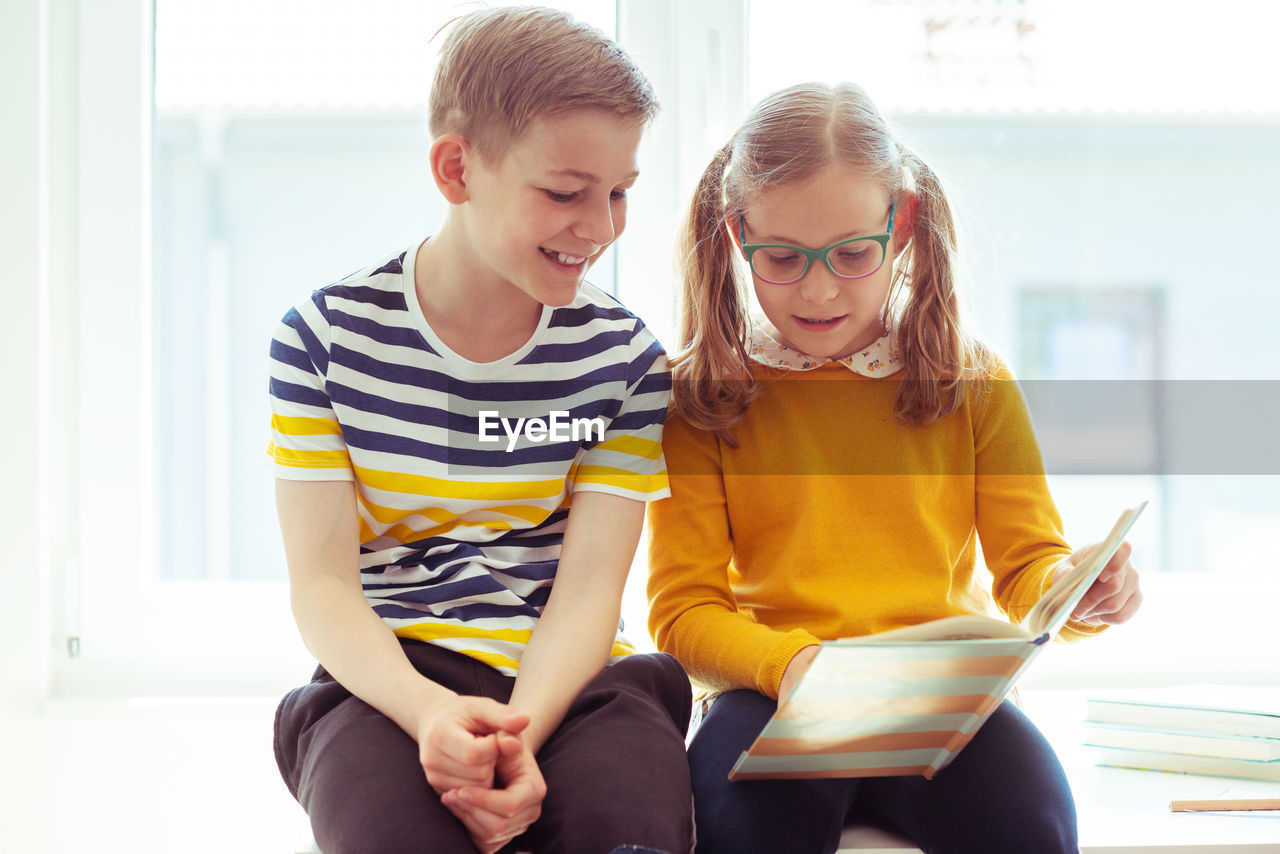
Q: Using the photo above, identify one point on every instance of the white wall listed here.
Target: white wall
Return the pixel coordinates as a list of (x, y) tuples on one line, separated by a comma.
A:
[(23, 602)]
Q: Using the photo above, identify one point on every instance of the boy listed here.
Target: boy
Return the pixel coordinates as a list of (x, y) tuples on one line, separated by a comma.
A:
[(432, 416)]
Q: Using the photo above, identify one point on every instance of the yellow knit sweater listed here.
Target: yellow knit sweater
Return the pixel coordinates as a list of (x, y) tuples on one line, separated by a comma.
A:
[(831, 519)]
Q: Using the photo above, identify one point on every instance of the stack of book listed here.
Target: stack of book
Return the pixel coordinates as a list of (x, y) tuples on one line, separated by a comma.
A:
[(1226, 731)]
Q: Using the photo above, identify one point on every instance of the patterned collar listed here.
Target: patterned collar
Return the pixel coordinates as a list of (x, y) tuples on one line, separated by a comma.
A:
[(880, 359)]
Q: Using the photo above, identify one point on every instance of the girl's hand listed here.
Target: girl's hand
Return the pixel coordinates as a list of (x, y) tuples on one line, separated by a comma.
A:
[(795, 669), (458, 741), (1115, 597), (495, 816)]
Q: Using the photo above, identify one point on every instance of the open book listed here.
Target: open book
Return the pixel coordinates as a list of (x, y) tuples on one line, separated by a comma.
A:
[(907, 701)]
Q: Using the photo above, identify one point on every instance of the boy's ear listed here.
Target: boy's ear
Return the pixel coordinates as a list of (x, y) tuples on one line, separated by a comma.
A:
[(450, 155), (904, 220)]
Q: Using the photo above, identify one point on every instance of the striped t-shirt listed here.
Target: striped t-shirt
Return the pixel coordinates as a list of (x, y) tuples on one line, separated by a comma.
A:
[(463, 470)]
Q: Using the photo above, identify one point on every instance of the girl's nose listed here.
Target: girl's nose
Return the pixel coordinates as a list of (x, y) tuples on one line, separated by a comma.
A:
[(819, 285)]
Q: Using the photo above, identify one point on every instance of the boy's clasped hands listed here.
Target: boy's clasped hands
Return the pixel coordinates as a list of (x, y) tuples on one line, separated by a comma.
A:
[(476, 759)]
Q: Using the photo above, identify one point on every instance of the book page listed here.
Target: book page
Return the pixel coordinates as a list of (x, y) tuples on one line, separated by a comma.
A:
[(1053, 610), (964, 627)]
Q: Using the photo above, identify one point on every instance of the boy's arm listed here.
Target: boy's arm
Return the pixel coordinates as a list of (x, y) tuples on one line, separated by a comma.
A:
[(571, 644), (575, 635), (318, 523)]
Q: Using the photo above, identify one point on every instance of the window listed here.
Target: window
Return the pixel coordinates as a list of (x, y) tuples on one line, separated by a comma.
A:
[(192, 207), (289, 148), (269, 149), (1091, 185), (1088, 365)]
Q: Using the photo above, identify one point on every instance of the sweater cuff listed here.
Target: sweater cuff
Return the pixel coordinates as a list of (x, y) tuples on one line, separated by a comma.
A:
[(1074, 631), (769, 676)]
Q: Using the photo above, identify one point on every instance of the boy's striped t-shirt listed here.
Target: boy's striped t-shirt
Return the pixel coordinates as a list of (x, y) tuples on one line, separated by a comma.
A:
[(464, 471)]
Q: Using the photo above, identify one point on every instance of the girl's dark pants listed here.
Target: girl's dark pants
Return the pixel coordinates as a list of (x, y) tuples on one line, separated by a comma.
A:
[(1005, 793), (616, 770)]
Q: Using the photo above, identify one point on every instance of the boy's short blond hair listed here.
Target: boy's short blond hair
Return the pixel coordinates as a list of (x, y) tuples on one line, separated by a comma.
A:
[(502, 68)]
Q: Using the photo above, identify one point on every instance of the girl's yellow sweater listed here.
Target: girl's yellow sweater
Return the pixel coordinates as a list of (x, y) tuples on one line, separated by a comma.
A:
[(831, 519)]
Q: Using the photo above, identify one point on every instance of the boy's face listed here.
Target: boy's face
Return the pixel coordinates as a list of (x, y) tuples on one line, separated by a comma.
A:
[(546, 210)]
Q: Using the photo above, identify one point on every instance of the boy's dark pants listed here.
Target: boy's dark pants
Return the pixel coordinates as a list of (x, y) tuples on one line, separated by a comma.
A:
[(1005, 793), (615, 769)]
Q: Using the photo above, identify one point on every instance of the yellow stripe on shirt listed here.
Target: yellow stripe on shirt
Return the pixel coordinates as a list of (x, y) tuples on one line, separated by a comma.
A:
[(474, 490), (294, 458), (302, 426), (621, 478), (403, 534), (493, 659), (428, 632), (632, 445), (436, 631), (531, 513), (391, 515)]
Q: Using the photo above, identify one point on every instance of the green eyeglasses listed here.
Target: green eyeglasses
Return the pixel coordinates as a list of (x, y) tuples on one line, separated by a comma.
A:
[(781, 264)]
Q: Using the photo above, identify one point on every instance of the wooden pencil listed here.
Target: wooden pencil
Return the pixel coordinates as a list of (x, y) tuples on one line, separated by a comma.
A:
[(1224, 804)]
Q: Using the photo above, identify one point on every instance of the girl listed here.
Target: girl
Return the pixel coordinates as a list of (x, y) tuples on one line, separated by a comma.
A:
[(831, 462)]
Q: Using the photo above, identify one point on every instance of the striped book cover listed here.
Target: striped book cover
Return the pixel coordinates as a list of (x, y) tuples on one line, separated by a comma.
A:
[(886, 708), (906, 702)]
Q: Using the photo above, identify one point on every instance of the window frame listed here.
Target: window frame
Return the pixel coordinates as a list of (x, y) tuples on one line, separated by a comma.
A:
[(119, 630)]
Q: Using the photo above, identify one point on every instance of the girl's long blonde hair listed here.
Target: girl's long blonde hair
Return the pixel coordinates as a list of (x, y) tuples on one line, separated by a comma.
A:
[(793, 135)]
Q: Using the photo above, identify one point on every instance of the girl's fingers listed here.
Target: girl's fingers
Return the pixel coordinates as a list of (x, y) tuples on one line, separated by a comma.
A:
[(1121, 600), (1112, 583), (1126, 611), (1094, 599), (1116, 610)]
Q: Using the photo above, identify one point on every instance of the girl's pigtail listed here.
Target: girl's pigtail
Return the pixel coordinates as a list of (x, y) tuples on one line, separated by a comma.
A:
[(938, 356), (713, 383)]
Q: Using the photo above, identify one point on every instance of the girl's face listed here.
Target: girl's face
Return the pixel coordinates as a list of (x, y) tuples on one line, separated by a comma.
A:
[(823, 314)]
